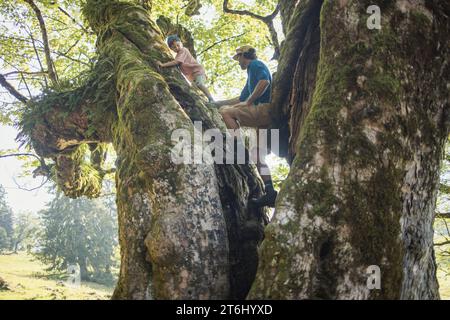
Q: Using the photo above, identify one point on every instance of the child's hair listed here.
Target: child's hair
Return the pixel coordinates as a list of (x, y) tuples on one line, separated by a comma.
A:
[(172, 38)]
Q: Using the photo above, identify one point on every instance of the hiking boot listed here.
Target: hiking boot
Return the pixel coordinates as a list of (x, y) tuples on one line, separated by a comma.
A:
[(267, 200)]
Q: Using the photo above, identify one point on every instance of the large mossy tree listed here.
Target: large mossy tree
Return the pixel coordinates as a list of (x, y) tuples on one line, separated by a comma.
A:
[(364, 114)]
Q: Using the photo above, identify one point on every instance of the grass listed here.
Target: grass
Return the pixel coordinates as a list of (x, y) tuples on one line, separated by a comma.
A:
[(442, 234), (444, 284), (28, 280)]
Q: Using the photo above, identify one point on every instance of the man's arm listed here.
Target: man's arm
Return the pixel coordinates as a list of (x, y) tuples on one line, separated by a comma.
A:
[(260, 88)]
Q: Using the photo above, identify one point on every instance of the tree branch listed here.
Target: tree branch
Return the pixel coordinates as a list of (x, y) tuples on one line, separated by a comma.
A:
[(62, 54), (443, 188), (42, 170), (20, 155), (5, 38), (24, 72), (50, 66), (30, 34), (71, 47), (26, 86), (44, 181), (5, 84), (268, 20), (75, 21), (219, 42), (443, 215), (442, 243)]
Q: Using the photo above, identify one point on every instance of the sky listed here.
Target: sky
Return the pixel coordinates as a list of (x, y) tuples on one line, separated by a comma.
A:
[(19, 200)]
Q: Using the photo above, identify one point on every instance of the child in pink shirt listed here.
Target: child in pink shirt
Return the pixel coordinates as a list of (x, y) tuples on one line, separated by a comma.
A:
[(192, 70)]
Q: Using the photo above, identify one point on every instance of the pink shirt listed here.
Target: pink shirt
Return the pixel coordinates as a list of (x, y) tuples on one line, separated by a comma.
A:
[(189, 66)]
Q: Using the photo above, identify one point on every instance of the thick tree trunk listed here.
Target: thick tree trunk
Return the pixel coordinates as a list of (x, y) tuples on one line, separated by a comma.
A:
[(84, 273), (368, 130), (185, 231)]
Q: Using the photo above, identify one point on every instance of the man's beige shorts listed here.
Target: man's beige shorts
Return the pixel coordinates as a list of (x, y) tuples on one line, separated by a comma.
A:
[(255, 116)]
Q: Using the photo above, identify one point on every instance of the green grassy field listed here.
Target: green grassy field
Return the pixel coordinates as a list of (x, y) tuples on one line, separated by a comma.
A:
[(444, 285), (27, 280)]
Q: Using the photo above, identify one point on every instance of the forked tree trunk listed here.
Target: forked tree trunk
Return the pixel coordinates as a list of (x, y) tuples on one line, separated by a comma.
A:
[(368, 130), (181, 230), (185, 230)]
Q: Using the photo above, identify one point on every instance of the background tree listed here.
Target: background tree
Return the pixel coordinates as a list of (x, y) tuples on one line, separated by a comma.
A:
[(6, 220), (26, 225), (442, 223), (82, 232), (4, 240)]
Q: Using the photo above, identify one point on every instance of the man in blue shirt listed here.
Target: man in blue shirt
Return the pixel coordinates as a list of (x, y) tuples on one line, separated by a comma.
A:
[(252, 109)]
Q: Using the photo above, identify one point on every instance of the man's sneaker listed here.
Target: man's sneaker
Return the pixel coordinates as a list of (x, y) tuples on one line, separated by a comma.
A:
[(267, 200)]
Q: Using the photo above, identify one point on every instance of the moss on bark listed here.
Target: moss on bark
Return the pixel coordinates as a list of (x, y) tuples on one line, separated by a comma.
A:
[(349, 200)]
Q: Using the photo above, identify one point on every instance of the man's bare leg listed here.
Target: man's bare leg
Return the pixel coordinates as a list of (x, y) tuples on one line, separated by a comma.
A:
[(268, 199), (229, 118)]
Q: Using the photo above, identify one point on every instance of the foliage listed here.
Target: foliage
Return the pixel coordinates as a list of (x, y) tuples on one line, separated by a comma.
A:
[(6, 221), (79, 232), (26, 225), (22, 56), (280, 171), (442, 224), (4, 240), (72, 46), (211, 27)]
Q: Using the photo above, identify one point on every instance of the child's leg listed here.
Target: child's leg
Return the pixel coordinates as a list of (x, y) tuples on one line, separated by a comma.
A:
[(200, 83), (206, 92)]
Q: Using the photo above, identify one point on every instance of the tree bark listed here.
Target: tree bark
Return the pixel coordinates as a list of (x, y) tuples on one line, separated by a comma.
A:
[(185, 231), (368, 130)]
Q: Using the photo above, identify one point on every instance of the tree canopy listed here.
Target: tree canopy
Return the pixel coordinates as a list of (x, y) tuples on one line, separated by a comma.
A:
[(71, 44), (6, 221), (79, 232)]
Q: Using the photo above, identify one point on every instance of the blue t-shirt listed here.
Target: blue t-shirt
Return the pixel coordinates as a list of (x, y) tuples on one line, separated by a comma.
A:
[(257, 71)]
